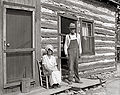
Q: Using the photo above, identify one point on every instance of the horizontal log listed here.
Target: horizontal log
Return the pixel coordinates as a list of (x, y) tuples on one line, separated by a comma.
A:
[(44, 35), (104, 44), (49, 40), (109, 26), (103, 31), (98, 18), (48, 25), (95, 65), (104, 50), (46, 15), (54, 31), (96, 58), (47, 10), (49, 33), (102, 70), (104, 38), (43, 45), (49, 21), (108, 45)]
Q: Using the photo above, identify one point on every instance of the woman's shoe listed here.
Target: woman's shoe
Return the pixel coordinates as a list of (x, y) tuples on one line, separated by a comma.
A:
[(58, 86), (69, 82), (54, 86)]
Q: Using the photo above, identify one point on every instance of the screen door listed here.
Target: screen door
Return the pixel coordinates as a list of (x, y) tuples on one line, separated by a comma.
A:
[(18, 45)]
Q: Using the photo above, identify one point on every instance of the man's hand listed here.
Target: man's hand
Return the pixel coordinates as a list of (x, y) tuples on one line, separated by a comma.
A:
[(66, 55), (50, 71)]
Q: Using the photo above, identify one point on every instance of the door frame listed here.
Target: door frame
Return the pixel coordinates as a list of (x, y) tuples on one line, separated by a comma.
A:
[(31, 9), (69, 16)]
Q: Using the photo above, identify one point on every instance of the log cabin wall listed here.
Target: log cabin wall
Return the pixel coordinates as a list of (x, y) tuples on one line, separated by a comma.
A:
[(103, 15), (22, 5)]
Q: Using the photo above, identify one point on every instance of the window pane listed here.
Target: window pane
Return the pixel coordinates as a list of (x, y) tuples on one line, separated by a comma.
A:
[(89, 29), (87, 45), (84, 29)]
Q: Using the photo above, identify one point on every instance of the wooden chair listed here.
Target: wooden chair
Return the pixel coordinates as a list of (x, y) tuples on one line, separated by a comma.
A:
[(43, 75)]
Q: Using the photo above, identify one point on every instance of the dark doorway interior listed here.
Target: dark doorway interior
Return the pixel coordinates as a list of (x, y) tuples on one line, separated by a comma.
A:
[(118, 54), (64, 30)]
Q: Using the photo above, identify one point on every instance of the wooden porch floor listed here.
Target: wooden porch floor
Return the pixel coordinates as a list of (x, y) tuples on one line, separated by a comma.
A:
[(64, 86)]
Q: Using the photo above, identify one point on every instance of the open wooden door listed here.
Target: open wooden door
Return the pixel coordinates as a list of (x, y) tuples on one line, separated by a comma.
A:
[(18, 45)]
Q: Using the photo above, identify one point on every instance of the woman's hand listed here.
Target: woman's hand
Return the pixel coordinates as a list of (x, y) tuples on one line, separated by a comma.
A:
[(66, 55), (50, 71)]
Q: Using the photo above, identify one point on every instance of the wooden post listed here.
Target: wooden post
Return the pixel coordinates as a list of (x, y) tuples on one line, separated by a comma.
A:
[(1, 30), (38, 36)]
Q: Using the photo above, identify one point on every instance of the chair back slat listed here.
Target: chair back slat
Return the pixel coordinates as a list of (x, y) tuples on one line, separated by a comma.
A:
[(42, 74)]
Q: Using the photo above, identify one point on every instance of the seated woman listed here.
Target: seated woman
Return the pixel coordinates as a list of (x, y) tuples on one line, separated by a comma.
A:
[(50, 64)]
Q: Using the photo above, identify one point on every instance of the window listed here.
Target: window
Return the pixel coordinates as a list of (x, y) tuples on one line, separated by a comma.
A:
[(87, 37)]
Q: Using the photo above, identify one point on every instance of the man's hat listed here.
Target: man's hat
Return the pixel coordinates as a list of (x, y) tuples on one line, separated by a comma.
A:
[(72, 25)]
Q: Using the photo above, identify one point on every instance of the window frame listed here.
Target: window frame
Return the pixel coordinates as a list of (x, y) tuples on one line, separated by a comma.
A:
[(92, 35)]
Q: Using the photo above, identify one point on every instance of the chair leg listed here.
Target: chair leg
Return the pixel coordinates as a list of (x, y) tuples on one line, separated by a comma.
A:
[(41, 82), (47, 84), (40, 76)]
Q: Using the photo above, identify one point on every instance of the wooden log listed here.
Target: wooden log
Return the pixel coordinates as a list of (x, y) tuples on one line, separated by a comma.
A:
[(48, 25), (97, 64), (44, 45), (104, 44), (95, 58), (46, 35), (49, 40), (104, 31), (109, 26), (54, 31), (45, 10), (104, 50), (49, 21), (104, 38), (46, 15), (102, 70), (49, 33)]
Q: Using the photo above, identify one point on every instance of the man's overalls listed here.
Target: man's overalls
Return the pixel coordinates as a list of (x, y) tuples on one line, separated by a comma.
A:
[(73, 55)]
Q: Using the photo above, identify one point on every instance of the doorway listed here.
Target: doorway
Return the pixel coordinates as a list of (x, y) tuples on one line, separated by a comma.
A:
[(64, 23), (118, 54)]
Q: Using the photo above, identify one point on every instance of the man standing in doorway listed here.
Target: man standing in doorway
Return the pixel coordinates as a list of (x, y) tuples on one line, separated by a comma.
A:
[(72, 49)]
